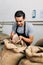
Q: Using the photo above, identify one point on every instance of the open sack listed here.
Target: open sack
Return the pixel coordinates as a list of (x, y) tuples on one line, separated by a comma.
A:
[(15, 44), (35, 53), (12, 55)]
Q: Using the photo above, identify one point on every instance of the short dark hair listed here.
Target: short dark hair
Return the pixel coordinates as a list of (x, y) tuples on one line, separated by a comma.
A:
[(19, 14)]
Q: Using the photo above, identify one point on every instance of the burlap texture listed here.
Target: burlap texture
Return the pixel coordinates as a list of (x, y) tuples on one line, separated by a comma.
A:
[(35, 54), (10, 58), (0, 58), (28, 62), (17, 44)]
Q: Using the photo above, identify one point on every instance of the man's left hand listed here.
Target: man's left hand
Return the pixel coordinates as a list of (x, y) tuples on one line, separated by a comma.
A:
[(20, 37)]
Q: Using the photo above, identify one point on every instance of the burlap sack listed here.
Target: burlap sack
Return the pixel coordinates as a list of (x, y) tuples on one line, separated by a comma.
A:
[(28, 62), (0, 58), (15, 38), (39, 43), (15, 44), (10, 58), (3, 36), (35, 53)]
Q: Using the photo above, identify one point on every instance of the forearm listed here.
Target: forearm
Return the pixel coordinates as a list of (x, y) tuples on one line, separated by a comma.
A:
[(12, 34), (29, 40)]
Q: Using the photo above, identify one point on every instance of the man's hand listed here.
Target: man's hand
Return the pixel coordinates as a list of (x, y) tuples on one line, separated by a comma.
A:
[(29, 39), (20, 37), (11, 35)]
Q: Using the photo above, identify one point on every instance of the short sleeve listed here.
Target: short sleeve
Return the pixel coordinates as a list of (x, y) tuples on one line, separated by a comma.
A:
[(30, 30)]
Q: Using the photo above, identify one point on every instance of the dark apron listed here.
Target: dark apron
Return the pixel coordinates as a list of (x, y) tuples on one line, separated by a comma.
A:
[(23, 34)]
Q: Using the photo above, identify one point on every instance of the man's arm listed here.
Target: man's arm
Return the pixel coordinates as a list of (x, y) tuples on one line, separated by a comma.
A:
[(13, 30), (29, 40), (30, 33), (12, 34)]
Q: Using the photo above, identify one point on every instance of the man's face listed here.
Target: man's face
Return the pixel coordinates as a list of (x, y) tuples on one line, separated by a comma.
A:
[(20, 21)]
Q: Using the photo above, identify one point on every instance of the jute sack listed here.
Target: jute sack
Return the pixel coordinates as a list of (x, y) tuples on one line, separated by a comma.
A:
[(10, 58), (34, 53), (39, 43), (0, 58), (28, 62), (15, 44)]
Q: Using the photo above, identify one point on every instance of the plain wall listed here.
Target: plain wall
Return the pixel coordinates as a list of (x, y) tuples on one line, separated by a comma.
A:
[(9, 7), (38, 33)]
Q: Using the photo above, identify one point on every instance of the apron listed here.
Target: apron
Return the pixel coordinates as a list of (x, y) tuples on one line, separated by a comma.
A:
[(23, 34)]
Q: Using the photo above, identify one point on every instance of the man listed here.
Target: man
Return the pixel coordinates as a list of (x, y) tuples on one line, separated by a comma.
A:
[(22, 28)]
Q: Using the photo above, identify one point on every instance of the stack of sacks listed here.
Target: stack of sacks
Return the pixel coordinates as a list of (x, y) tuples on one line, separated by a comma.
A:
[(13, 52), (10, 58), (34, 56), (35, 53)]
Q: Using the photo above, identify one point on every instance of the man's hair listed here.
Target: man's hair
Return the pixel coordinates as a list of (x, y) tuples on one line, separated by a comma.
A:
[(19, 14)]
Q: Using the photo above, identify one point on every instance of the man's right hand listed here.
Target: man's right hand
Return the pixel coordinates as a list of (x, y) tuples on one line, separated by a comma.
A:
[(11, 35)]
